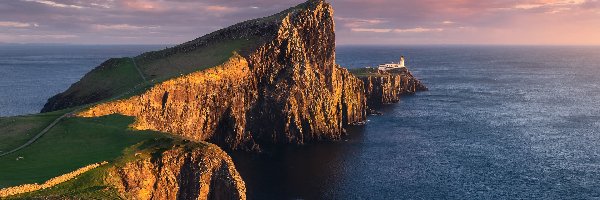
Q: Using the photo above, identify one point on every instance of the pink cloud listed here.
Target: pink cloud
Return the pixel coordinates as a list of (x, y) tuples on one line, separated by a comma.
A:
[(216, 8), (373, 30), (144, 5)]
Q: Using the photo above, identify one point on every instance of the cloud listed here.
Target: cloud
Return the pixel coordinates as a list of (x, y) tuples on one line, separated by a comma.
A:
[(549, 3), (356, 22), (106, 6), (142, 5), (387, 30), (409, 21), (40, 36), (418, 30), (217, 8), (121, 27), (16, 24), (373, 30), (55, 4)]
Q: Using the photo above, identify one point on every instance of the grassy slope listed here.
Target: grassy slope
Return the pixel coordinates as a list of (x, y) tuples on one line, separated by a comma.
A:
[(363, 72), (71, 144), (159, 68), (115, 79), (89, 185), (16, 131)]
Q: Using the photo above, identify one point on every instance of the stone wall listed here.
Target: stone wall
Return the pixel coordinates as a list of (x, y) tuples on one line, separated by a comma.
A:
[(50, 183)]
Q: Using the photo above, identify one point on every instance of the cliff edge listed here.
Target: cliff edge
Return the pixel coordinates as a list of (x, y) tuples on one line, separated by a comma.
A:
[(286, 88), (386, 87), (185, 170), (154, 169)]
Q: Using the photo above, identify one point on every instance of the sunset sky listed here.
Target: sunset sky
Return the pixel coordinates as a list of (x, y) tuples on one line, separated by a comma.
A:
[(538, 22)]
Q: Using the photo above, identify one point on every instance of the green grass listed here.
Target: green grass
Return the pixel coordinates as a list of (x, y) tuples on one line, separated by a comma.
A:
[(362, 72), (16, 131), (71, 144), (89, 185), (119, 76), (159, 68), (113, 80)]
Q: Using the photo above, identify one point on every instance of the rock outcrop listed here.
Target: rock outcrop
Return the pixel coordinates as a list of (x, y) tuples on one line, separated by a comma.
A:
[(386, 87), (286, 90), (182, 171)]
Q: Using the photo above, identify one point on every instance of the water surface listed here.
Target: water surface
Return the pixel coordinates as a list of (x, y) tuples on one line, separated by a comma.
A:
[(30, 74), (497, 123)]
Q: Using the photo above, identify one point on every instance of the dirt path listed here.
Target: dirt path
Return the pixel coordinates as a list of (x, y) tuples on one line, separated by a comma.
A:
[(39, 134), (138, 69)]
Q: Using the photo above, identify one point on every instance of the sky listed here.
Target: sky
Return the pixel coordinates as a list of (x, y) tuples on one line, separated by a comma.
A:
[(389, 22)]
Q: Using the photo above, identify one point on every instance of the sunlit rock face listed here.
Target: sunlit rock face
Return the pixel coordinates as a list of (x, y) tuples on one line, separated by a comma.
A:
[(287, 89), (388, 86), (184, 171)]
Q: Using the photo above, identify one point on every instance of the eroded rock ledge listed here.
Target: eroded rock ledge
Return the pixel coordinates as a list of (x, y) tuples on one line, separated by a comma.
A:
[(386, 87), (182, 171)]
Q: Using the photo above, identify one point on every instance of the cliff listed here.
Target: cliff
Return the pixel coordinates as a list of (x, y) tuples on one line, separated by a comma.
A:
[(286, 90), (163, 168), (262, 82), (182, 171), (386, 87)]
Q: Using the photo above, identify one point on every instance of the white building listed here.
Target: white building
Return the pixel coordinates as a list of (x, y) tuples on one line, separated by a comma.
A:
[(400, 64)]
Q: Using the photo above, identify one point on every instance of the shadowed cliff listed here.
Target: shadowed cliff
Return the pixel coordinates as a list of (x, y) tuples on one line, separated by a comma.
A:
[(182, 170), (386, 87)]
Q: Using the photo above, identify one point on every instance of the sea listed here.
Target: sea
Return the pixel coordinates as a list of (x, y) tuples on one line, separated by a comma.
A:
[(498, 122)]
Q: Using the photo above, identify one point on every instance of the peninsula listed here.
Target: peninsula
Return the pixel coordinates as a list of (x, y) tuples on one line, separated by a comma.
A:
[(158, 121)]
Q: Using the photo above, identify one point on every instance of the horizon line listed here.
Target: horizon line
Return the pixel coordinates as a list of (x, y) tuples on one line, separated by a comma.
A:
[(343, 44)]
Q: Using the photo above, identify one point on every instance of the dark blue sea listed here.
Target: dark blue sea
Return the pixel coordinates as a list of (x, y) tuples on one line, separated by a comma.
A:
[(498, 122), (30, 74)]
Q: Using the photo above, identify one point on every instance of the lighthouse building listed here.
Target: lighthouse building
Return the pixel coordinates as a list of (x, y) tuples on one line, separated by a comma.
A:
[(390, 66)]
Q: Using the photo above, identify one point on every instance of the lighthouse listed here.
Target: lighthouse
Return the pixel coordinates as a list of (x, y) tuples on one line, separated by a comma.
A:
[(390, 66), (401, 63)]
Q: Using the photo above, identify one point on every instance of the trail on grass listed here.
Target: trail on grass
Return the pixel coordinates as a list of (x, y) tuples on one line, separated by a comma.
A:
[(57, 120), (138, 69), (39, 134)]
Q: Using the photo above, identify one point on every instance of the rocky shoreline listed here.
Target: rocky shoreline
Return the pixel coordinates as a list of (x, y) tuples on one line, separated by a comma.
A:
[(386, 87), (285, 89)]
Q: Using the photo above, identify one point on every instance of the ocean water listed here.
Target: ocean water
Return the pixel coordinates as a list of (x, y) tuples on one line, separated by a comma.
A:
[(499, 122), (30, 74)]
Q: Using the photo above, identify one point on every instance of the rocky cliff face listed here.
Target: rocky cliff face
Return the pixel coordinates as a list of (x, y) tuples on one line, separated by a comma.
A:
[(286, 90), (184, 171), (386, 87)]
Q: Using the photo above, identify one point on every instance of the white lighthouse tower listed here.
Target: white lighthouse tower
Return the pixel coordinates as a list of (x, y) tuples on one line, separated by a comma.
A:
[(401, 63)]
